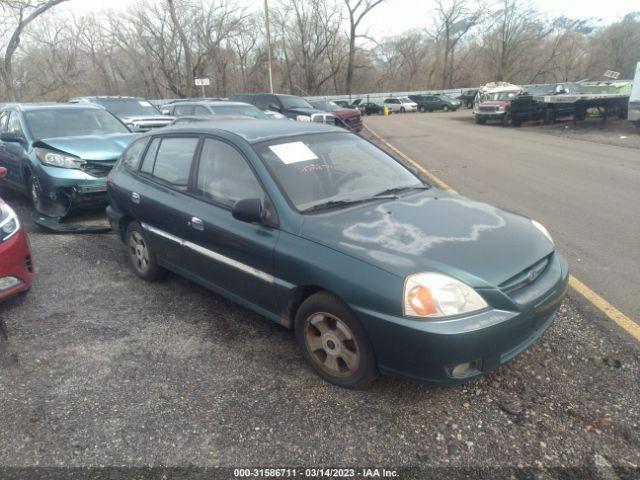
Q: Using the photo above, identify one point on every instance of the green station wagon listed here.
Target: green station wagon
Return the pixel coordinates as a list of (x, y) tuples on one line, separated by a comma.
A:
[(323, 232)]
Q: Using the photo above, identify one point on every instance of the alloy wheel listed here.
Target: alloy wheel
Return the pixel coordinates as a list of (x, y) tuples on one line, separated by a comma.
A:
[(332, 345), (139, 251)]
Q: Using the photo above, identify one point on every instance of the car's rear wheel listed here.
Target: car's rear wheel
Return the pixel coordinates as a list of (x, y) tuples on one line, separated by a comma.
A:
[(402, 110), (142, 257), (422, 108), (334, 343), (445, 108)]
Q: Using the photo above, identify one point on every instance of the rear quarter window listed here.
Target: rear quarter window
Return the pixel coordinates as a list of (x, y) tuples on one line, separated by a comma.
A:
[(133, 154)]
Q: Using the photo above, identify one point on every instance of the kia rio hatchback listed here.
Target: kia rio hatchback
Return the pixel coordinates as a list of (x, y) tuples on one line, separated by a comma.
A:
[(321, 231)]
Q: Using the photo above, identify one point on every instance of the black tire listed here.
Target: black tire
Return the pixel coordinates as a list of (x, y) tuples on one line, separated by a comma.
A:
[(34, 191), (422, 108), (480, 121), (508, 120), (402, 110), (445, 108), (331, 316), (144, 265)]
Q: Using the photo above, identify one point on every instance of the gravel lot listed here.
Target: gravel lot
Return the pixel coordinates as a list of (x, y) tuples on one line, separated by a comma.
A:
[(100, 368)]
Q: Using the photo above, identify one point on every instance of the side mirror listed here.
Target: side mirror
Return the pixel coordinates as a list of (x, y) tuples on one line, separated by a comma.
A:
[(11, 137), (248, 210), (274, 107), (165, 111), (3, 172)]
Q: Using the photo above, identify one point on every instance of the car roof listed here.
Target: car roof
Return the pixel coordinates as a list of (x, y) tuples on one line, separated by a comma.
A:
[(214, 103), (254, 131), (30, 107), (106, 97)]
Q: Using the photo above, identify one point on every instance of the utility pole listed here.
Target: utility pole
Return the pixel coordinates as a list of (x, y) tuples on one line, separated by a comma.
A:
[(266, 15)]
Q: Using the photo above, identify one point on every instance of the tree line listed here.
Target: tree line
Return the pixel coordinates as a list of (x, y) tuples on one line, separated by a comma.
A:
[(156, 49)]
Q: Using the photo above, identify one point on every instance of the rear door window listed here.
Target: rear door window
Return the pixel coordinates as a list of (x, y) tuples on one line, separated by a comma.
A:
[(173, 160), (200, 110), (150, 157), (182, 110)]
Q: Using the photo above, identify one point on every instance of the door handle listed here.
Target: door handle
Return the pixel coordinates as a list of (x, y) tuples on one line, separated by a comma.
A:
[(196, 223), (135, 197)]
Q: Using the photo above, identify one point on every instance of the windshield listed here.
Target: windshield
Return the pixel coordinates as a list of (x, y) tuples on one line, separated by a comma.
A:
[(128, 107), (294, 102), (316, 169), (501, 96), (244, 110), (406, 100), (326, 106), (72, 122)]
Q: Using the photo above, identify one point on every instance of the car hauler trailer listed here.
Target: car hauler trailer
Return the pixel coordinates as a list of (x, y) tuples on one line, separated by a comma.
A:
[(513, 104)]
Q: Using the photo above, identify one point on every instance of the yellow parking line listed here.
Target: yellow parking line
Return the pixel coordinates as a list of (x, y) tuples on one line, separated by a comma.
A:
[(596, 300)]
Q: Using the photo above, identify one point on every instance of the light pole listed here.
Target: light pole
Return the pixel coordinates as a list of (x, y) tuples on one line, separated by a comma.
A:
[(266, 15)]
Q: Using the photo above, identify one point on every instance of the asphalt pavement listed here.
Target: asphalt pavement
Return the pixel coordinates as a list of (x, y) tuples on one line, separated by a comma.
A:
[(102, 369), (586, 193)]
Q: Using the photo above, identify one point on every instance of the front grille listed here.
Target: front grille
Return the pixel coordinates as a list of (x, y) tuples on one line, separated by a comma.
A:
[(323, 118), (526, 277), (98, 169), (28, 263), (488, 109)]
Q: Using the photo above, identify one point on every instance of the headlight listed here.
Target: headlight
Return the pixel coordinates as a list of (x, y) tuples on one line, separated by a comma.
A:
[(434, 295), (303, 118), (543, 230), (58, 159), (9, 225)]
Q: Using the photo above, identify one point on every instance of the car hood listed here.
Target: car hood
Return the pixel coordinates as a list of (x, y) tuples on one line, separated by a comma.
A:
[(306, 111), (493, 103), (345, 112), (433, 231), (90, 147)]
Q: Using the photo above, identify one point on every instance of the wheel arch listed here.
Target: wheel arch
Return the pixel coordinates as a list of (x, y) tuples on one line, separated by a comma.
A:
[(299, 295)]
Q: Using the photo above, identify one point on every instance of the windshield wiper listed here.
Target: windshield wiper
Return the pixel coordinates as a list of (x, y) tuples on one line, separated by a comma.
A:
[(394, 190), (345, 203)]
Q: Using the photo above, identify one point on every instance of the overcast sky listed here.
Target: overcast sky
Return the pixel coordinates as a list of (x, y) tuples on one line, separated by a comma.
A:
[(398, 15)]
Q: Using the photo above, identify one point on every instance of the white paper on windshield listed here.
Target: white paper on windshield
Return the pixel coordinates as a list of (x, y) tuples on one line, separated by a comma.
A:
[(144, 103), (293, 152)]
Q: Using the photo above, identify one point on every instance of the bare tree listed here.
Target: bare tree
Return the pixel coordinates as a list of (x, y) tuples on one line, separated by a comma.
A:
[(357, 9), (15, 16), (455, 19)]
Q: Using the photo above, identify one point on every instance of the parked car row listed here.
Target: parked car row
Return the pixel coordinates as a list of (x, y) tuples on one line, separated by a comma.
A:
[(302, 222), (408, 104)]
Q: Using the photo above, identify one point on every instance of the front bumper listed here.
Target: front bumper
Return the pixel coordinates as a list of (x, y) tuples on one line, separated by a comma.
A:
[(429, 350), (77, 187), (16, 262)]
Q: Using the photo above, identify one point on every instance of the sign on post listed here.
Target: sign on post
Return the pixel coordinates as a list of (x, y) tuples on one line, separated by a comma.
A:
[(201, 82)]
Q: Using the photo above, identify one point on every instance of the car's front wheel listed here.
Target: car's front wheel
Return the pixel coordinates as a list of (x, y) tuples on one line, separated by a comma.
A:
[(334, 343), (445, 108), (142, 257), (422, 108), (402, 110)]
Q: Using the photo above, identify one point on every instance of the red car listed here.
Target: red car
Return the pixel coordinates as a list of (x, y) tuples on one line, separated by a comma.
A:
[(16, 267), (349, 118)]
